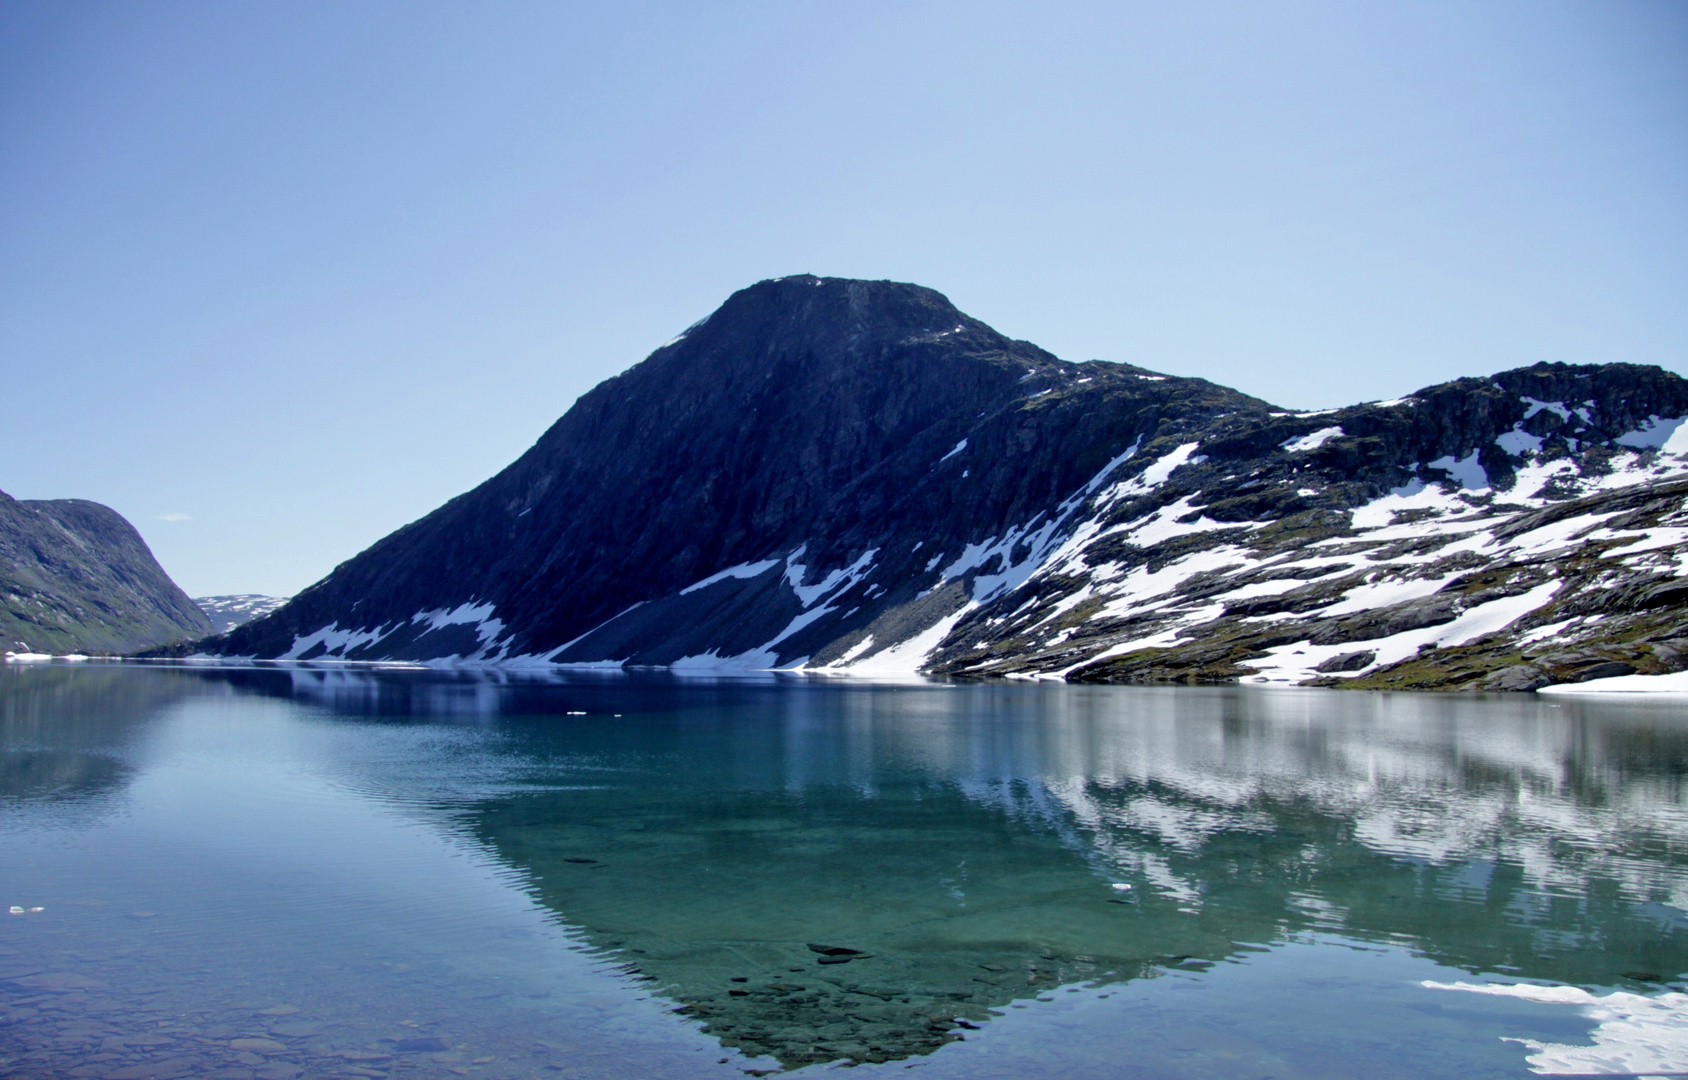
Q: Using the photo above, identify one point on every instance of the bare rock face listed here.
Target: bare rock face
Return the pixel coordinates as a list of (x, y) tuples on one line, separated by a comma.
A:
[(75, 577), (855, 476)]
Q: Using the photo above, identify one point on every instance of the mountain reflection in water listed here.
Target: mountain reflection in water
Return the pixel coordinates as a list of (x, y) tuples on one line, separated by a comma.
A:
[(819, 871)]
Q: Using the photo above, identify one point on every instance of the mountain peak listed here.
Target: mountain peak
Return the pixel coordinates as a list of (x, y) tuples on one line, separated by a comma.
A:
[(846, 474)]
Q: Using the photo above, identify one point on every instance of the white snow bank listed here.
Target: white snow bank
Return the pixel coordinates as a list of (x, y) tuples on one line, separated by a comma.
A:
[(1413, 495), (1312, 441), (760, 659), (1518, 442), (1555, 407), (470, 612), (334, 640), (1675, 683), (1466, 470), (1656, 434), (742, 570), (1293, 663), (904, 658), (1637, 1034), (837, 581), (959, 447)]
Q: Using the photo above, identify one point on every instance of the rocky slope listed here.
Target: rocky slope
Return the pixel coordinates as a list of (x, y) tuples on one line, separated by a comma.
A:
[(236, 609), (854, 476), (75, 577)]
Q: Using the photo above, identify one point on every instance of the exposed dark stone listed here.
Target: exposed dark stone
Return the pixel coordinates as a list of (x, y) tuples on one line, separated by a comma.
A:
[(1609, 669), (1518, 677)]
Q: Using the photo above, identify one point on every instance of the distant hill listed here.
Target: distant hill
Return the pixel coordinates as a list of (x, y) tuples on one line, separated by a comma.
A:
[(236, 609), (854, 476), (75, 577)]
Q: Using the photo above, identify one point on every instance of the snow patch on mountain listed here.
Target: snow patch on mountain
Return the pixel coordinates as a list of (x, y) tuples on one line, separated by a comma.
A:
[(1312, 441), (741, 571)]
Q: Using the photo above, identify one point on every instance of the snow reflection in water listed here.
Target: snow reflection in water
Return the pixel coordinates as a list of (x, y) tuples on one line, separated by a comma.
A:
[(466, 858)]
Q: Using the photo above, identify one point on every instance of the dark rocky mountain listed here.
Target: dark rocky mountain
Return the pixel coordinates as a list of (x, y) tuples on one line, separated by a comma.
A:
[(236, 609), (75, 577), (855, 476)]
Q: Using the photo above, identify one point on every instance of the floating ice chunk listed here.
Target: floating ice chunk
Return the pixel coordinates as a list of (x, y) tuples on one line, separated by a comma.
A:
[(1655, 434), (1313, 441), (1120, 886), (1465, 471), (742, 571)]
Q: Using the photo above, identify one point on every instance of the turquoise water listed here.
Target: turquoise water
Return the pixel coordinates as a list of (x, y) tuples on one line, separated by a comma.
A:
[(320, 872)]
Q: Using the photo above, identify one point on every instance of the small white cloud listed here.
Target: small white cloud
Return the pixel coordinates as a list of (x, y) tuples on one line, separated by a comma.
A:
[(175, 517)]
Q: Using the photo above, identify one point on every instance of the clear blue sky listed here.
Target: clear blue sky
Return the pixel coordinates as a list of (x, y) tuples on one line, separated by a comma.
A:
[(276, 278)]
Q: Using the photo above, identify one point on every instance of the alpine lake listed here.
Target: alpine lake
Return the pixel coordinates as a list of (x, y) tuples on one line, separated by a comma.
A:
[(320, 871)]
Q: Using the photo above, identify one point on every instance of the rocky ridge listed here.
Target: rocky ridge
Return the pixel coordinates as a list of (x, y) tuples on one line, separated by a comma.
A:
[(854, 477)]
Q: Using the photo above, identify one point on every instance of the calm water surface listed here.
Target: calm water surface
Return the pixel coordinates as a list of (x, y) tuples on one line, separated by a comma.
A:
[(330, 873)]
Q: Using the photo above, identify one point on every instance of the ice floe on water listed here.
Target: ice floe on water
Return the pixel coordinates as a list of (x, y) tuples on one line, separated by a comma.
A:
[(1636, 1035)]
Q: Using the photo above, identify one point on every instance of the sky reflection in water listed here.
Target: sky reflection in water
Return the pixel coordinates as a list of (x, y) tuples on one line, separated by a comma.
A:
[(509, 878)]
